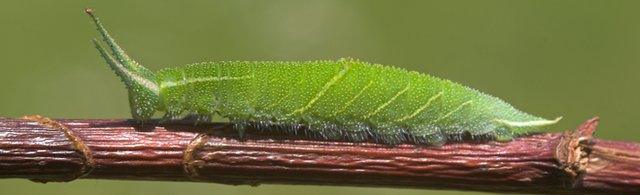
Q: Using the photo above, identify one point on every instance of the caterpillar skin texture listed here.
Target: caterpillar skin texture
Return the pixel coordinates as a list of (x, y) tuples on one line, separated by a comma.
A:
[(345, 99)]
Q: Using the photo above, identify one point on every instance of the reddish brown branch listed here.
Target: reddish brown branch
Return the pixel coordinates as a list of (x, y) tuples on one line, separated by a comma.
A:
[(544, 163)]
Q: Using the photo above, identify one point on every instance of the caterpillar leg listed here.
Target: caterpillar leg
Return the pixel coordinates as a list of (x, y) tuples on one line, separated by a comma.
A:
[(241, 127), (193, 118), (428, 135), (197, 118), (391, 135), (356, 132), (169, 116), (324, 130), (503, 134)]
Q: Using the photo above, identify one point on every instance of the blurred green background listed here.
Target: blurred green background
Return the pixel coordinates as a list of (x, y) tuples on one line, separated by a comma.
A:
[(575, 59)]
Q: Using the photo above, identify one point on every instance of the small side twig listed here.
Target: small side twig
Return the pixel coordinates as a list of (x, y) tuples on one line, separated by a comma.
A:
[(117, 149)]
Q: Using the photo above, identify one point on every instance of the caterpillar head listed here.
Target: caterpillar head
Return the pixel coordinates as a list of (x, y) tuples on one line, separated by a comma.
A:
[(140, 81)]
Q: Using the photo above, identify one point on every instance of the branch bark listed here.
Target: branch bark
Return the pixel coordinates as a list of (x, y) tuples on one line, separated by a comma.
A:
[(45, 150)]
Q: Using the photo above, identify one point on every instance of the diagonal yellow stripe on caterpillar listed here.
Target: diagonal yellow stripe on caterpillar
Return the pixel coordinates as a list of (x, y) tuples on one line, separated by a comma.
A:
[(388, 102), (324, 89), (354, 98), (453, 111), (410, 116)]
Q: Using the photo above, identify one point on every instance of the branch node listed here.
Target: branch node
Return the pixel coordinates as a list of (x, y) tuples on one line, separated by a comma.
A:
[(573, 150), (190, 164), (88, 163)]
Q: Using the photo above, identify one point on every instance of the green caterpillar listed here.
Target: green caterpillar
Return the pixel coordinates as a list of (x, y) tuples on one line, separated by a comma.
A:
[(345, 99)]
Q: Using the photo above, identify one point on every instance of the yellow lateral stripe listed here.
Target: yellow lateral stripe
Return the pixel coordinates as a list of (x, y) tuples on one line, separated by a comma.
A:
[(454, 110), (346, 105), (387, 103), (324, 89), (528, 123), (168, 84), (419, 110)]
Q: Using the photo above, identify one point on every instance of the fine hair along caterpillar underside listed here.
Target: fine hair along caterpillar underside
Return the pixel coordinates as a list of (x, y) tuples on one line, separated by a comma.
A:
[(346, 99)]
